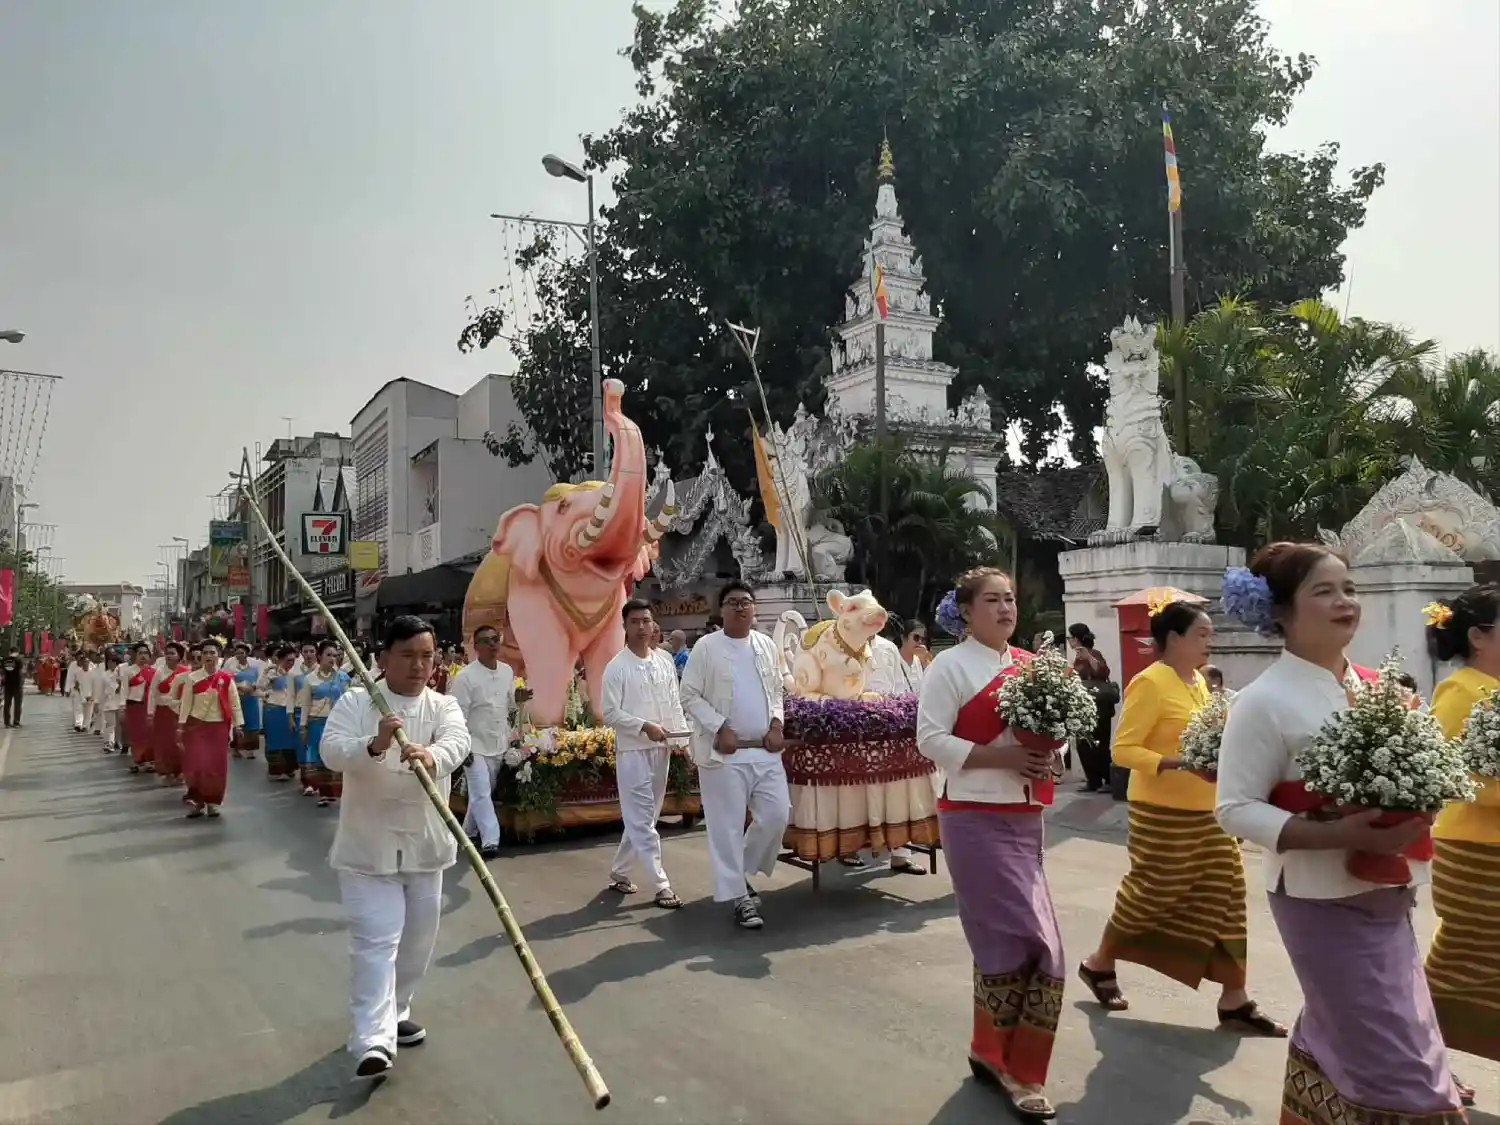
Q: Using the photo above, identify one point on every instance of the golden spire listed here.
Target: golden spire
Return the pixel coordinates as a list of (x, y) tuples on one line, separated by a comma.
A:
[(887, 171)]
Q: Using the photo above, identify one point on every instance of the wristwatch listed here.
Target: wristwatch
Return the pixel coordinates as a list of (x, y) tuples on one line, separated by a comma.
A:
[(370, 748)]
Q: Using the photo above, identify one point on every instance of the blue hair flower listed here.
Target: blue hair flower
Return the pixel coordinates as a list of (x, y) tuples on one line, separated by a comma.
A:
[(1247, 598), (949, 619)]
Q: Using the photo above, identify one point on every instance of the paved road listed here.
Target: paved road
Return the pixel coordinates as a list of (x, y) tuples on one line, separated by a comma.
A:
[(156, 970)]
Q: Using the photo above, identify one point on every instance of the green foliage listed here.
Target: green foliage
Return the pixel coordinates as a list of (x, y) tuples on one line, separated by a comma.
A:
[(40, 605), (1027, 137), (1304, 415), (931, 529)]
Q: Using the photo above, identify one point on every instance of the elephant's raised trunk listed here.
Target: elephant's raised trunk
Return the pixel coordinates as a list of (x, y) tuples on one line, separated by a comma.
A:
[(614, 530)]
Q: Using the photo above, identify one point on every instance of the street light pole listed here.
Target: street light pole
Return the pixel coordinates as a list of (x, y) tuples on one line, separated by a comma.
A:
[(596, 363), (566, 170)]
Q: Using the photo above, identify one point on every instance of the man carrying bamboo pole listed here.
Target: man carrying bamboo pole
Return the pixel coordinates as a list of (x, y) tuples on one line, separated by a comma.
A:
[(392, 846)]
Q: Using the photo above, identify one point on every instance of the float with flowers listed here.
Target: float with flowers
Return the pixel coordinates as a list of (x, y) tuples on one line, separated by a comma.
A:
[(563, 776), (856, 778)]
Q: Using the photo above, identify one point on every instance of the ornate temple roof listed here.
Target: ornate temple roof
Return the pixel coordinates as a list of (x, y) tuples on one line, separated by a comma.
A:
[(1056, 505)]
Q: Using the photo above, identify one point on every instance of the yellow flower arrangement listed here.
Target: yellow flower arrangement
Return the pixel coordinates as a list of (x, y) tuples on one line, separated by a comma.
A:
[(1437, 615), (1154, 605)]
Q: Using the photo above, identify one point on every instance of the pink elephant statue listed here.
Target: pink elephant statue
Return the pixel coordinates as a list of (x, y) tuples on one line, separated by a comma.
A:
[(558, 573)]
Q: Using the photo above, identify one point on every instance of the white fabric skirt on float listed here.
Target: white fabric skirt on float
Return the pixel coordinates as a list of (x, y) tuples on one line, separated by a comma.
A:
[(837, 820)]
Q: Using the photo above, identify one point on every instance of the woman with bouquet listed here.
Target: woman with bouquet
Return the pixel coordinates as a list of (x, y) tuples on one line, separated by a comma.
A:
[(990, 818), (1366, 1045), (1181, 907), (1463, 965)]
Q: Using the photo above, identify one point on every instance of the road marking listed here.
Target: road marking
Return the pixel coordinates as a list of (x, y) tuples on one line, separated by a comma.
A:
[(5, 752)]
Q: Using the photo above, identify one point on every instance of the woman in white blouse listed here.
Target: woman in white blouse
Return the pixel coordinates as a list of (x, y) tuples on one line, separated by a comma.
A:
[(1366, 1045), (990, 818)]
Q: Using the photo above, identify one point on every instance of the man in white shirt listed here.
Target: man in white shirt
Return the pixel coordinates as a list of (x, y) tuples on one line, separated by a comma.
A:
[(486, 693), (642, 706), (732, 693), (80, 689), (392, 847)]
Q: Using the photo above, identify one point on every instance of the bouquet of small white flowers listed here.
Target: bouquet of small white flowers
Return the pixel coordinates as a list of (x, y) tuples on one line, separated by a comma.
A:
[(1381, 754), (1198, 746), (1045, 702), (1480, 740)]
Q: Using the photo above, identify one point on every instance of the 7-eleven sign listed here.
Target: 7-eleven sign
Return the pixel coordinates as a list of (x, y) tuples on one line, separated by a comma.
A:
[(323, 533)]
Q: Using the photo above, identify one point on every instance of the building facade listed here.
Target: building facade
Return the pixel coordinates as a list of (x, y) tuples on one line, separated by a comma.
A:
[(300, 476), (430, 488)]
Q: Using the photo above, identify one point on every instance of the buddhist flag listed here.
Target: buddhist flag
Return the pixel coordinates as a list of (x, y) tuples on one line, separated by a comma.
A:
[(7, 595), (1174, 184), (763, 478), (882, 301)]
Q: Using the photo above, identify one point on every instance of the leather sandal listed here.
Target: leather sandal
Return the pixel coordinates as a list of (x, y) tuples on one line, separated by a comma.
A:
[(1105, 988), (1249, 1019)]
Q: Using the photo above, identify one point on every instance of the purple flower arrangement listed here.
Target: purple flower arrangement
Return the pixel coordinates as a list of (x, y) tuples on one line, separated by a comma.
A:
[(820, 722)]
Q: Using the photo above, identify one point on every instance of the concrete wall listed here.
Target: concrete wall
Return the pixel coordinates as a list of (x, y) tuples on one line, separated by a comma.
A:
[(1391, 599), (1095, 578)]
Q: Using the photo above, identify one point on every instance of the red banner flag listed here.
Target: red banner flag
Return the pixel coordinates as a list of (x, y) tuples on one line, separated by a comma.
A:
[(177, 632), (239, 620), (47, 644), (28, 644), (7, 595), (262, 622)]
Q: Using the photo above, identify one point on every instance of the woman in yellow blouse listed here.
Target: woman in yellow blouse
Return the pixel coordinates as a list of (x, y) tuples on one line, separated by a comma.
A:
[(1181, 907), (1463, 965)]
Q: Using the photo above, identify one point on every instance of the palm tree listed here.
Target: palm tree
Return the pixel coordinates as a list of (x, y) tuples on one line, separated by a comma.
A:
[(1449, 417), (1290, 408), (936, 523)]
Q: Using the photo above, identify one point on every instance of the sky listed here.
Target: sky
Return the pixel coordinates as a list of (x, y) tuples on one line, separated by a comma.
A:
[(219, 215)]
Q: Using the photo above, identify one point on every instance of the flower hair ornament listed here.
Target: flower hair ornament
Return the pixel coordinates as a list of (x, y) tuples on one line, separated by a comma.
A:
[(1247, 598), (949, 618), (222, 642), (1154, 605), (1437, 615)]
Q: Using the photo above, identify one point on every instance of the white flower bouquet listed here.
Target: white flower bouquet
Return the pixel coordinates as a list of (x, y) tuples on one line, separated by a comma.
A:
[(1198, 746), (1045, 702), (1381, 754), (1480, 740)]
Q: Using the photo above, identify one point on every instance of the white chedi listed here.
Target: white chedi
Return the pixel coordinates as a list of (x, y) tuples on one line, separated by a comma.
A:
[(1198, 745), (1045, 697), (1381, 754), (1480, 740)]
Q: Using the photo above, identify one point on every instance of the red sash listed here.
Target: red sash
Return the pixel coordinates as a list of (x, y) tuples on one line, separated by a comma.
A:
[(165, 686), (1297, 799), (979, 722), (219, 682), (143, 676)]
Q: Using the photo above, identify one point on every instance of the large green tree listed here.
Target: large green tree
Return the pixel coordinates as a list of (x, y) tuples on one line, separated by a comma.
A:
[(1028, 145), (931, 526)]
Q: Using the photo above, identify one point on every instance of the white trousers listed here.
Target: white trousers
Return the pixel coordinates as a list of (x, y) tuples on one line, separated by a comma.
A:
[(729, 792), (481, 818), (641, 778), (393, 925), (80, 703)]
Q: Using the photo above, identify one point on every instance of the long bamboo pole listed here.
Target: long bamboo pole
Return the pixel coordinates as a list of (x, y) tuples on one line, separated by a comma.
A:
[(592, 1080)]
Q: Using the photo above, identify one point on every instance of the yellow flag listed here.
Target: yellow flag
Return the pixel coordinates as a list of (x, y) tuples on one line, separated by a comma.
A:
[(763, 478)]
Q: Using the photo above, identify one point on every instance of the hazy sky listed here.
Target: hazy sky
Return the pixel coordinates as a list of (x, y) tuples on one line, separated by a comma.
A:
[(219, 213)]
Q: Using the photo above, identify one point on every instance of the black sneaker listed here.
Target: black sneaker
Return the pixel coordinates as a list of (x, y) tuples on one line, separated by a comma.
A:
[(409, 1033), (490, 851), (747, 914), (373, 1063)]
